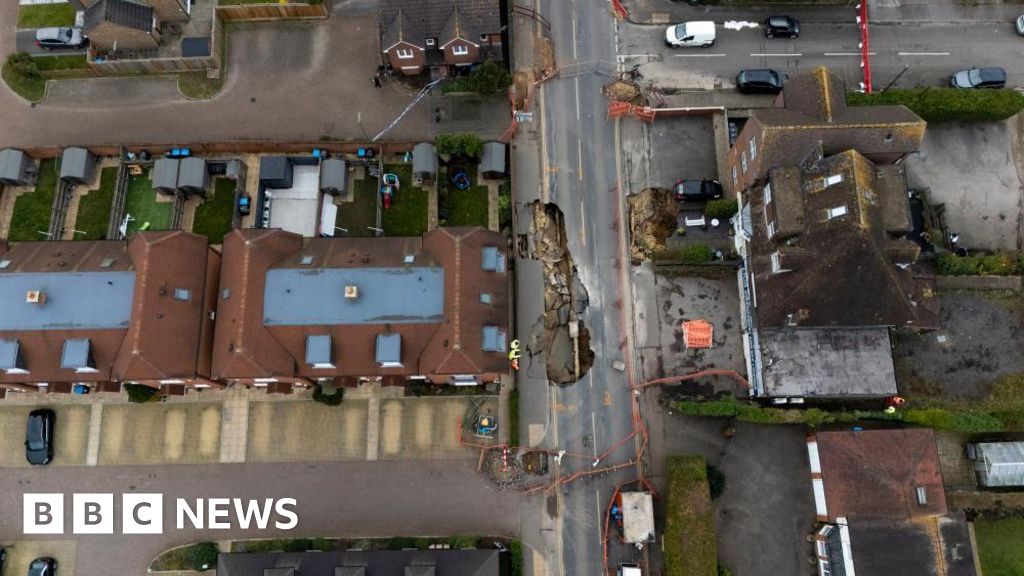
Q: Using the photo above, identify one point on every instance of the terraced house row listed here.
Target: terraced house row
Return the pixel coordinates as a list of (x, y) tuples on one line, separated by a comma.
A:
[(268, 308)]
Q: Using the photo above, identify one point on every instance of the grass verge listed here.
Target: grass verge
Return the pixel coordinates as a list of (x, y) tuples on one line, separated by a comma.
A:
[(937, 105), (30, 88), (999, 546), (94, 208), (61, 63), (690, 545), (45, 15), (513, 417), (408, 213), (214, 215), (32, 209), (193, 557)]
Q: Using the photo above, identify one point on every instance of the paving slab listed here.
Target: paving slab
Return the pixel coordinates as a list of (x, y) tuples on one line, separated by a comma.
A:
[(171, 433), (414, 428), (70, 434), (300, 430)]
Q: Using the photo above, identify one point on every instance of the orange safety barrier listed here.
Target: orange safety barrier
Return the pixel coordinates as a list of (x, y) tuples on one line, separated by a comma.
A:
[(698, 334)]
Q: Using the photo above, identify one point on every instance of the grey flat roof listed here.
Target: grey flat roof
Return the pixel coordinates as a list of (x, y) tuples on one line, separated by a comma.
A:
[(424, 158), (333, 174), (76, 163), (75, 353), (11, 161), (165, 173), (74, 300), (493, 159), (305, 297), (827, 362), (1004, 463)]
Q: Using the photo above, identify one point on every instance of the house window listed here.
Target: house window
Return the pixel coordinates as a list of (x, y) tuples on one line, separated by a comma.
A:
[(404, 53), (485, 38), (922, 496), (743, 161), (225, 294), (460, 49), (771, 230), (753, 147), (777, 263), (734, 181), (4, 263), (835, 212), (835, 179), (431, 42), (767, 194), (182, 294), (485, 298)]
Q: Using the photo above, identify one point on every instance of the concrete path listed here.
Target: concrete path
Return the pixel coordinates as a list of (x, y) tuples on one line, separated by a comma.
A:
[(234, 425)]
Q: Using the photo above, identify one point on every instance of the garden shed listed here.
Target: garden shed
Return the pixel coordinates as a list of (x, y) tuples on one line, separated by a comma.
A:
[(16, 168), (424, 161), (276, 172), (165, 175), (333, 177), (193, 176), (998, 463), (77, 165), (492, 162)]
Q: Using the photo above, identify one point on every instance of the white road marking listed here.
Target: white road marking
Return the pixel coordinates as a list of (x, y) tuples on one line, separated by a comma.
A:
[(697, 55), (579, 156), (847, 54), (577, 80), (624, 57), (593, 426), (574, 35), (797, 55), (600, 522), (924, 53)]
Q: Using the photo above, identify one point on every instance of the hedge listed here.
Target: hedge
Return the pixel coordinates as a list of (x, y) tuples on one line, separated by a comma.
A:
[(696, 254), (690, 545), (1001, 264), (722, 208), (948, 104)]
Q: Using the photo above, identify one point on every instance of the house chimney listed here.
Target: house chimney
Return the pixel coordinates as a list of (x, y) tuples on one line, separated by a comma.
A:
[(351, 292), (36, 297)]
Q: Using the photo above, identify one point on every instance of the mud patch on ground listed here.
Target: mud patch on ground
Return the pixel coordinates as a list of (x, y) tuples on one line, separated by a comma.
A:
[(652, 219)]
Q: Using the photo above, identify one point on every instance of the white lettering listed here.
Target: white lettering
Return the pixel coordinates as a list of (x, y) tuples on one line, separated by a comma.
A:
[(90, 514), (185, 510), (218, 509), (290, 514), (42, 514), (253, 510), (143, 514)]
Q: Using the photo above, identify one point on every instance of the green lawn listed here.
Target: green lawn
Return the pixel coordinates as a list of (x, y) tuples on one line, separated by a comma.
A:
[(464, 207), (44, 15), (361, 212), (213, 216), (94, 208), (408, 213), (66, 62), (1001, 546), (32, 210), (31, 89), (690, 545), (142, 205)]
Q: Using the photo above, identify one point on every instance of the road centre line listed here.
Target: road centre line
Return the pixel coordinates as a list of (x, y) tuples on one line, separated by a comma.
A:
[(782, 55), (923, 53), (697, 55), (847, 54)]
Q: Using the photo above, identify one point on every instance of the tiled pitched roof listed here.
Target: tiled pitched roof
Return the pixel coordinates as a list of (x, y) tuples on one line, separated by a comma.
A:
[(430, 18), (120, 12), (400, 29)]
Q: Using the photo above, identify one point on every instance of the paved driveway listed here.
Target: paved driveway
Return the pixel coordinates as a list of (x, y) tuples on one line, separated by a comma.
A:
[(176, 433), (287, 430), (342, 499), (286, 81), (70, 435)]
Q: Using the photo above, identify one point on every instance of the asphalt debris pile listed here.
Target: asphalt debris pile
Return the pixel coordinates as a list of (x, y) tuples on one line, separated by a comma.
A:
[(652, 219), (565, 340), (510, 467)]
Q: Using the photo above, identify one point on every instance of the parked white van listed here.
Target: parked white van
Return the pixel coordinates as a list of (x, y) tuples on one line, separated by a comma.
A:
[(700, 33)]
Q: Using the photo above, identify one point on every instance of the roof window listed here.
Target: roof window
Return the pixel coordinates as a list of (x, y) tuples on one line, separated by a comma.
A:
[(833, 179), (836, 212)]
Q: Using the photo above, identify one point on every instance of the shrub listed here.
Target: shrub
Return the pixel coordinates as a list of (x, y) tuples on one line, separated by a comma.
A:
[(696, 254), (328, 394), (463, 145), (460, 542), (948, 104), (716, 482), (24, 65), (323, 544), (966, 421), (141, 394), (515, 551), (401, 543), (298, 545), (722, 209), (489, 78), (689, 545), (203, 556), (1001, 264)]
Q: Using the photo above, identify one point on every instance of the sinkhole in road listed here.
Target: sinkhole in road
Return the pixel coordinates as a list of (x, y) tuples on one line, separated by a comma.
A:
[(561, 332)]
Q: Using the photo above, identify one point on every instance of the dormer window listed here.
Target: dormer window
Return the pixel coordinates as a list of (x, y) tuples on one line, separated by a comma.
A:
[(430, 42)]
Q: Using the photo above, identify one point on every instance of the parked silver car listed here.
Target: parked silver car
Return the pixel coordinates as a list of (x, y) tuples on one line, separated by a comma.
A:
[(64, 37)]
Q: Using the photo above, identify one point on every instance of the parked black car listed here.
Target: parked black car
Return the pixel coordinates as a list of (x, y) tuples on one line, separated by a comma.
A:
[(695, 190), (39, 437), (781, 27), (979, 78), (759, 81), (42, 567), (64, 37)]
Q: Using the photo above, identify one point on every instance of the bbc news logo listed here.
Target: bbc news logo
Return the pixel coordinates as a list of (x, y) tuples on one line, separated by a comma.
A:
[(144, 513)]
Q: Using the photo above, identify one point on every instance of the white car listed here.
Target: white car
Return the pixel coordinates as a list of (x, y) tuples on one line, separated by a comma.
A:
[(699, 33)]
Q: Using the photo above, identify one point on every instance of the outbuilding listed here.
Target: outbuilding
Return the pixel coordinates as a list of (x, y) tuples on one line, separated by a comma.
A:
[(165, 175), (276, 172), (998, 463), (16, 168), (333, 177), (77, 165), (424, 162), (492, 163), (193, 176)]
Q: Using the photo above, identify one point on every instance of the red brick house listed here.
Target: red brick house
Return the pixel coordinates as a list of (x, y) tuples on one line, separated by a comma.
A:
[(105, 313), (419, 34), (122, 24), (297, 312)]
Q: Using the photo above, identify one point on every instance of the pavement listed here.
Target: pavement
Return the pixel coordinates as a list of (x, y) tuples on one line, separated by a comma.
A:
[(265, 97), (337, 499), (977, 171)]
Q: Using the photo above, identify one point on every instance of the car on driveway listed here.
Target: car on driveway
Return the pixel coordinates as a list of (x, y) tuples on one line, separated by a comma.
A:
[(979, 78), (1020, 24), (781, 27), (64, 37), (762, 81), (3, 559), (700, 33), (42, 567), (696, 190), (39, 437)]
